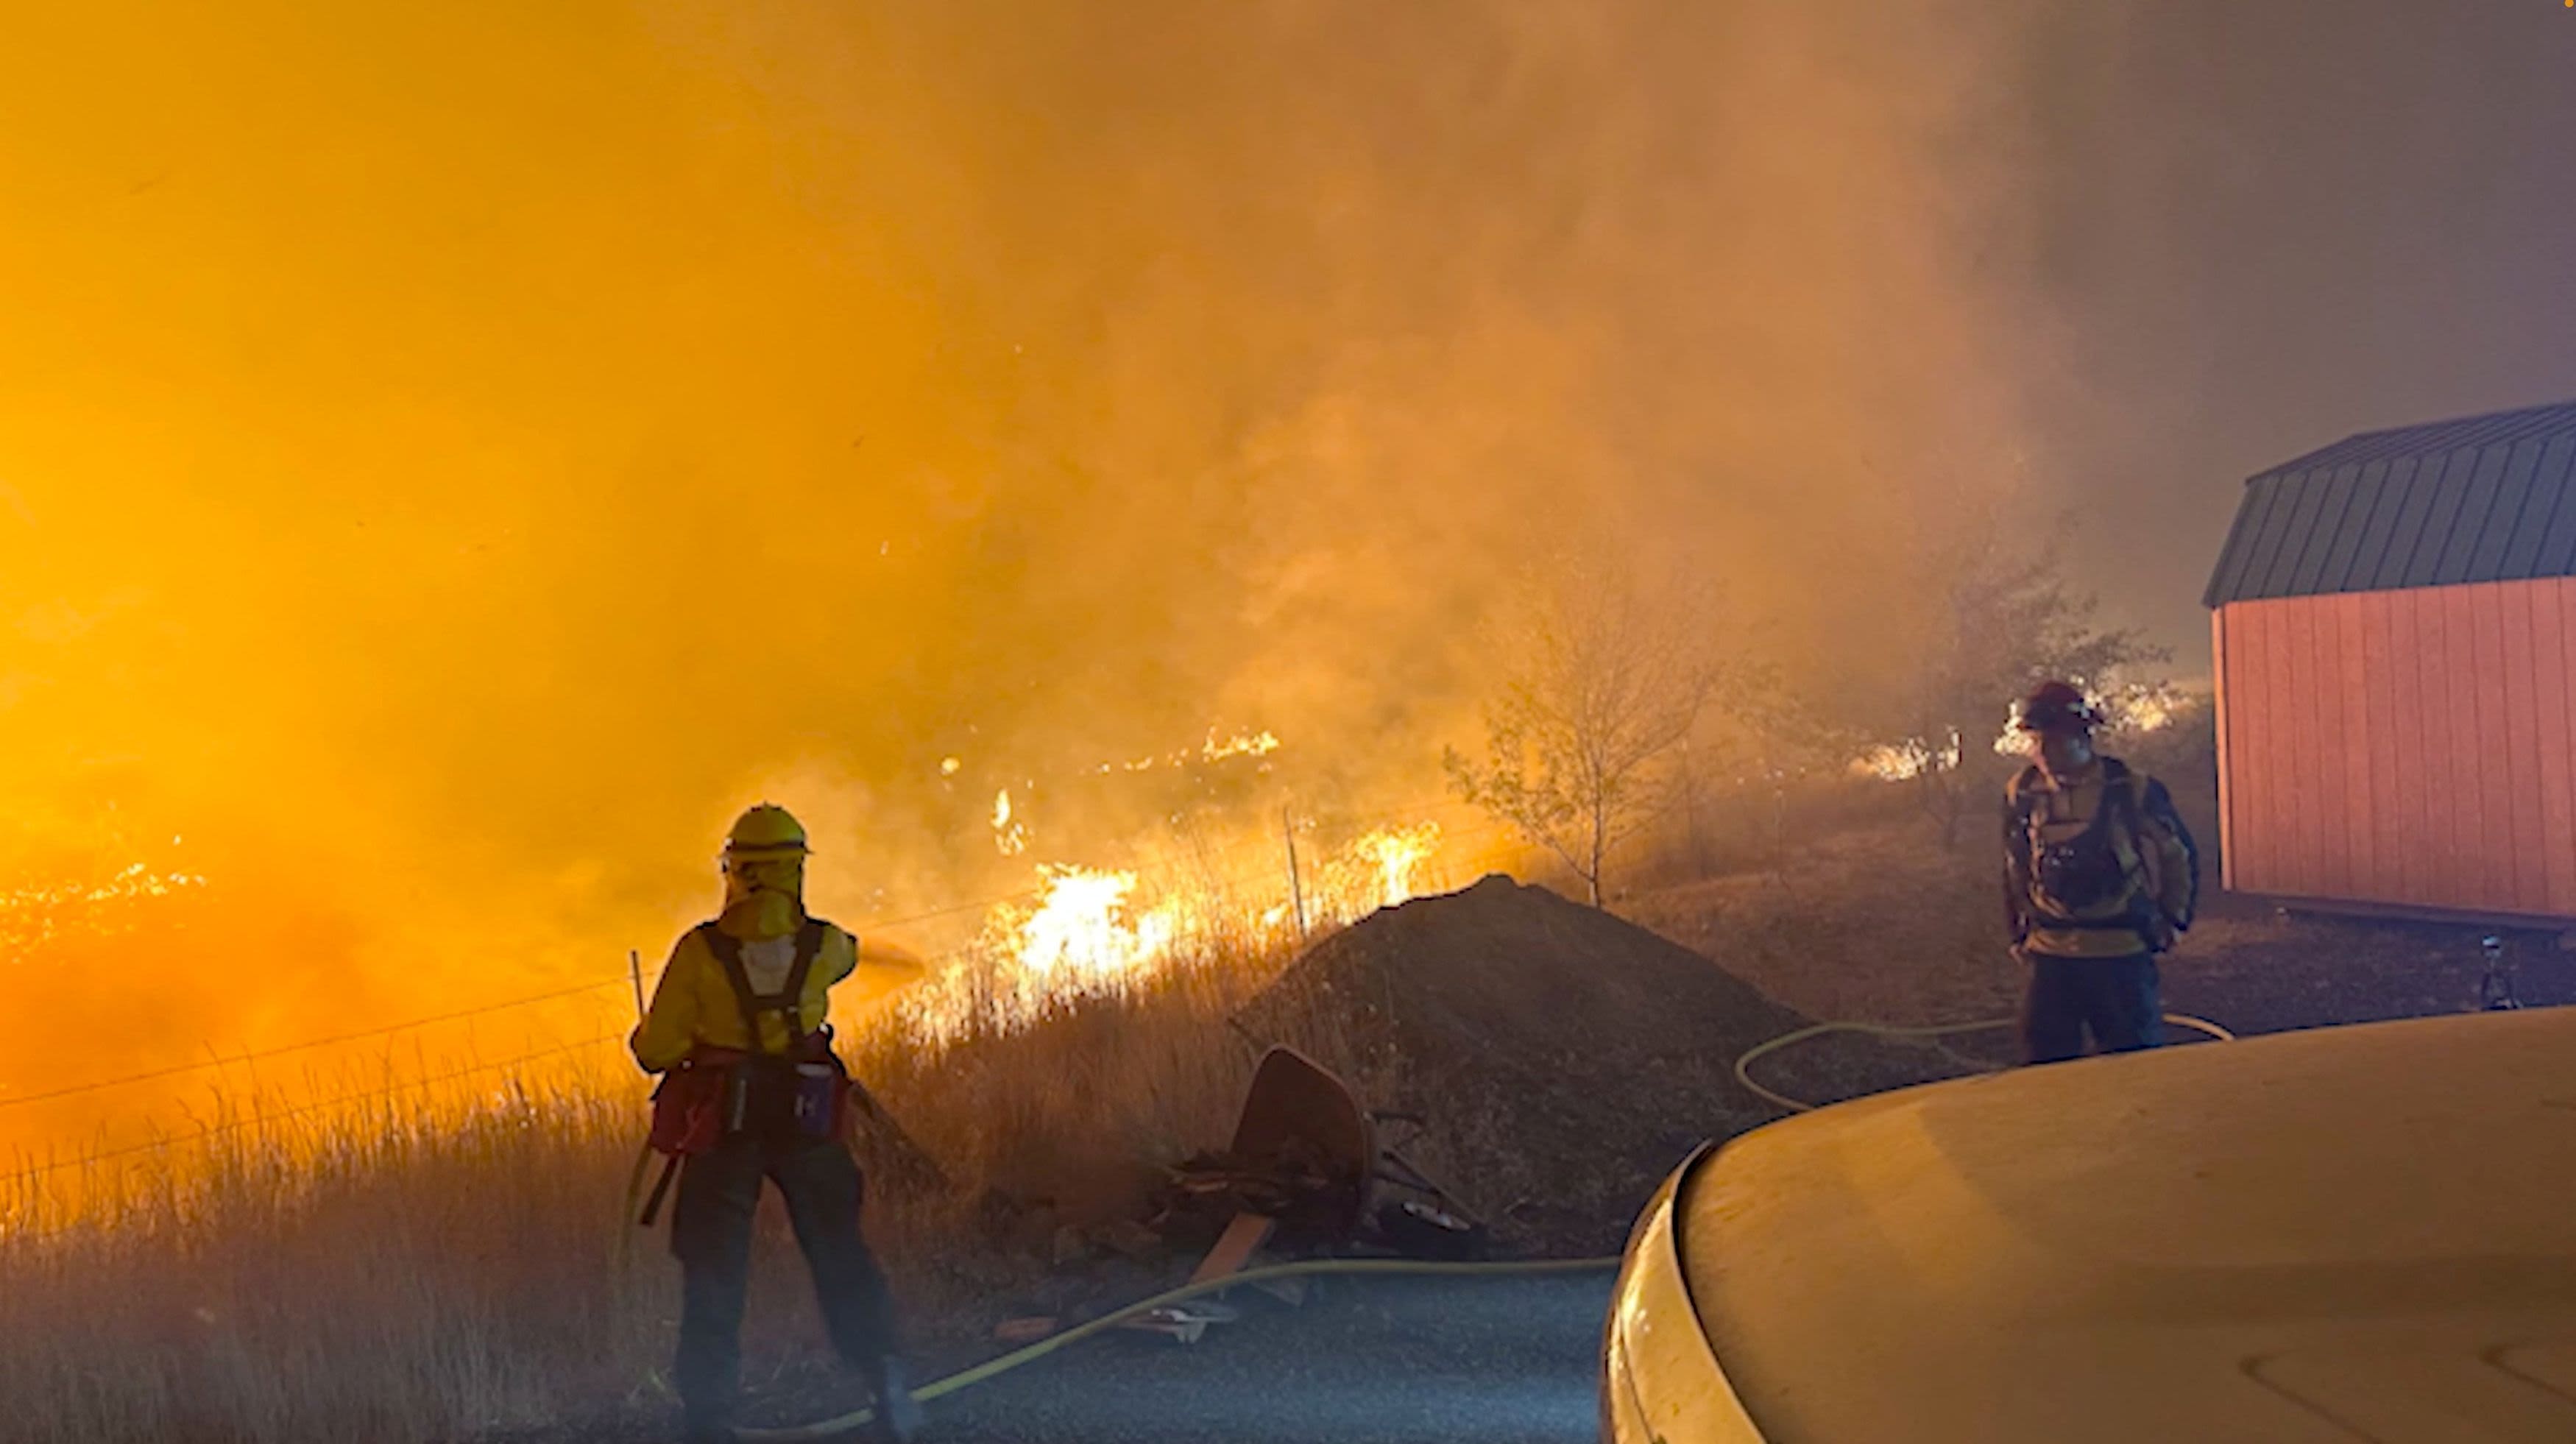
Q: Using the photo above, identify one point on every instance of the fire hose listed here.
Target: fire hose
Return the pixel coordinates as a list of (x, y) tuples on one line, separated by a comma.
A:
[(967, 1378), (843, 1424), (1744, 1062)]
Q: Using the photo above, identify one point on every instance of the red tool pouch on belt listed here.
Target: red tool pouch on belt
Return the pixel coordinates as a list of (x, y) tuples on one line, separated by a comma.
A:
[(688, 1106)]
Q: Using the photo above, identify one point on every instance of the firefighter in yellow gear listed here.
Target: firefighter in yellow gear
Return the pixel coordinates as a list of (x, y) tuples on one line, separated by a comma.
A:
[(2100, 876), (740, 1017)]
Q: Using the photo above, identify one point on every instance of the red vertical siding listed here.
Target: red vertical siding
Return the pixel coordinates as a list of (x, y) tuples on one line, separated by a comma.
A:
[(2489, 761), (2405, 748), (2452, 707), (2435, 804), (2335, 802), (2273, 811), (2379, 671), (2254, 775), (2294, 748), (2226, 782), (2416, 865), (2352, 625), (2550, 601), (2521, 736)]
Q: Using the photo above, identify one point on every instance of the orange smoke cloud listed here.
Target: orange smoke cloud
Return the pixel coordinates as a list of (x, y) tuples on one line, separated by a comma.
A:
[(453, 457)]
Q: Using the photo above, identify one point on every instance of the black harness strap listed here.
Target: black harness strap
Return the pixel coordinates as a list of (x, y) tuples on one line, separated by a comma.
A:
[(788, 1002), (2119, 803)]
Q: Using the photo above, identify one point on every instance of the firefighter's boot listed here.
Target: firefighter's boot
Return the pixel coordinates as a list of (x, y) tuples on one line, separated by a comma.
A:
[(899, 1417)]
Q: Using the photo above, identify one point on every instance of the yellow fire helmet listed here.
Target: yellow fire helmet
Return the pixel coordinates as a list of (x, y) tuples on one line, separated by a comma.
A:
[(764, 873), (766, 831)]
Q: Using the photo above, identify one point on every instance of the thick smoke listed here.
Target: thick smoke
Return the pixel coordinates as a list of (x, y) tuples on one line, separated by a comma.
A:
[(456, 456)]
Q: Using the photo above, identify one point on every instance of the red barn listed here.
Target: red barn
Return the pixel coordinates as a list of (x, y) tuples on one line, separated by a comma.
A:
[(2393, 624)]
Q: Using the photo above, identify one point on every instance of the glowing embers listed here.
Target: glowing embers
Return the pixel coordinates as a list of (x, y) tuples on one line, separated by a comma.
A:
[(1215, 749), (2149, 706), (2130, 709), (1010, 834), (33, 915), (1907, 760), (1256, 744)]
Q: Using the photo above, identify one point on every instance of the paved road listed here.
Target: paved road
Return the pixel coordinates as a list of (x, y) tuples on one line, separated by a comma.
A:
[(1365, 1361)]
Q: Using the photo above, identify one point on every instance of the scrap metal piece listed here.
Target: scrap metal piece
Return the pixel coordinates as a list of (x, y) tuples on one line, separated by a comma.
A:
[(1301, 1122), (1186, 1322)]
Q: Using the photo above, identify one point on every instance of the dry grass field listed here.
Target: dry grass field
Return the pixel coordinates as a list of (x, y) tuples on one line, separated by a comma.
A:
[(459, 1263), (464, 1265)]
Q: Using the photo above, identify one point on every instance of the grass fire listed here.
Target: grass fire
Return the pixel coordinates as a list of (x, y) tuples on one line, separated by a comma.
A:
[(1214, 680)]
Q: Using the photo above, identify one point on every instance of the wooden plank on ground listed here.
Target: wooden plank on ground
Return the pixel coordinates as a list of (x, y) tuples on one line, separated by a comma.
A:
[(1243, 1237)]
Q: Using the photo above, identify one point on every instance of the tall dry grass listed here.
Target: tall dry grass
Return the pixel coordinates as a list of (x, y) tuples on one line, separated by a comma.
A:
[(435, 1270)]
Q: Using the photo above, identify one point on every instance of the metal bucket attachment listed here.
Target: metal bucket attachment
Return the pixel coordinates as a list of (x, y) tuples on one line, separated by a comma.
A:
[(1304, 1173), (1303, 1127)]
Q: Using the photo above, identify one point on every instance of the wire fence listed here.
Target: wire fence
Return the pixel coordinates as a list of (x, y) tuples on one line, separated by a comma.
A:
[(252, 1122), (178, 1070), (270, 1118)]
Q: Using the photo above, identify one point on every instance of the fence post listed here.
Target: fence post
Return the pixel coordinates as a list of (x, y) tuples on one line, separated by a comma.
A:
[(1296, 886)]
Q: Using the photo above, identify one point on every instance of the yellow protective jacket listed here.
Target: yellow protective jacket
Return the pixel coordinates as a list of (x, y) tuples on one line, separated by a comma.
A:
[(694, 1004), (2150, 840)]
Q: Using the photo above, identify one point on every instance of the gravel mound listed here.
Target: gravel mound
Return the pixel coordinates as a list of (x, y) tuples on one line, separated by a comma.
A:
[(1565, 1059)]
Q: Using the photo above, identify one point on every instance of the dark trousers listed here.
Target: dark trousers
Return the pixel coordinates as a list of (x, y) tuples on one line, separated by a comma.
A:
[(711, 1235), (2116, 999)]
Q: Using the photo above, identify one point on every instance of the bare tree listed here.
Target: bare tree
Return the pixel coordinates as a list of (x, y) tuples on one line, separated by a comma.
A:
[(1606, 684), (2008, 619)]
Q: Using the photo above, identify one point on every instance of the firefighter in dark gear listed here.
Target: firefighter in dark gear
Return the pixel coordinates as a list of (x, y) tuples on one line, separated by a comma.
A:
[(2100, 875), (752, 1091)]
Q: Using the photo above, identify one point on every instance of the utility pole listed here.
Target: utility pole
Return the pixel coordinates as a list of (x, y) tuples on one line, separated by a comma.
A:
[(1296, 887), (635, 974)]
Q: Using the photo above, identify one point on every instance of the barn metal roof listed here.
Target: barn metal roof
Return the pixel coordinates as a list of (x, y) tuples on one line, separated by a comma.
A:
[(2479, 499)]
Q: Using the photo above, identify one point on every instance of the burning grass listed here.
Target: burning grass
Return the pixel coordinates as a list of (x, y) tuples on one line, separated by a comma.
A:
[(442, 1255), (451, 1256), (449, 1267), (462, 1267)]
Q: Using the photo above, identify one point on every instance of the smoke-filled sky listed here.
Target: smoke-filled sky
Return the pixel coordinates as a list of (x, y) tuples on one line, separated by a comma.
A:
[(453, 457), (2266, 226)]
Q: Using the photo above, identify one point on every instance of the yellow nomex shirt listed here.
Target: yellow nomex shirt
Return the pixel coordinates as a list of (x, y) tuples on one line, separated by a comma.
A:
[(694, 1004)]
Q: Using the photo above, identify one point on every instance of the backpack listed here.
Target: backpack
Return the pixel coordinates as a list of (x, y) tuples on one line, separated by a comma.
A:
[(2083, 872)]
